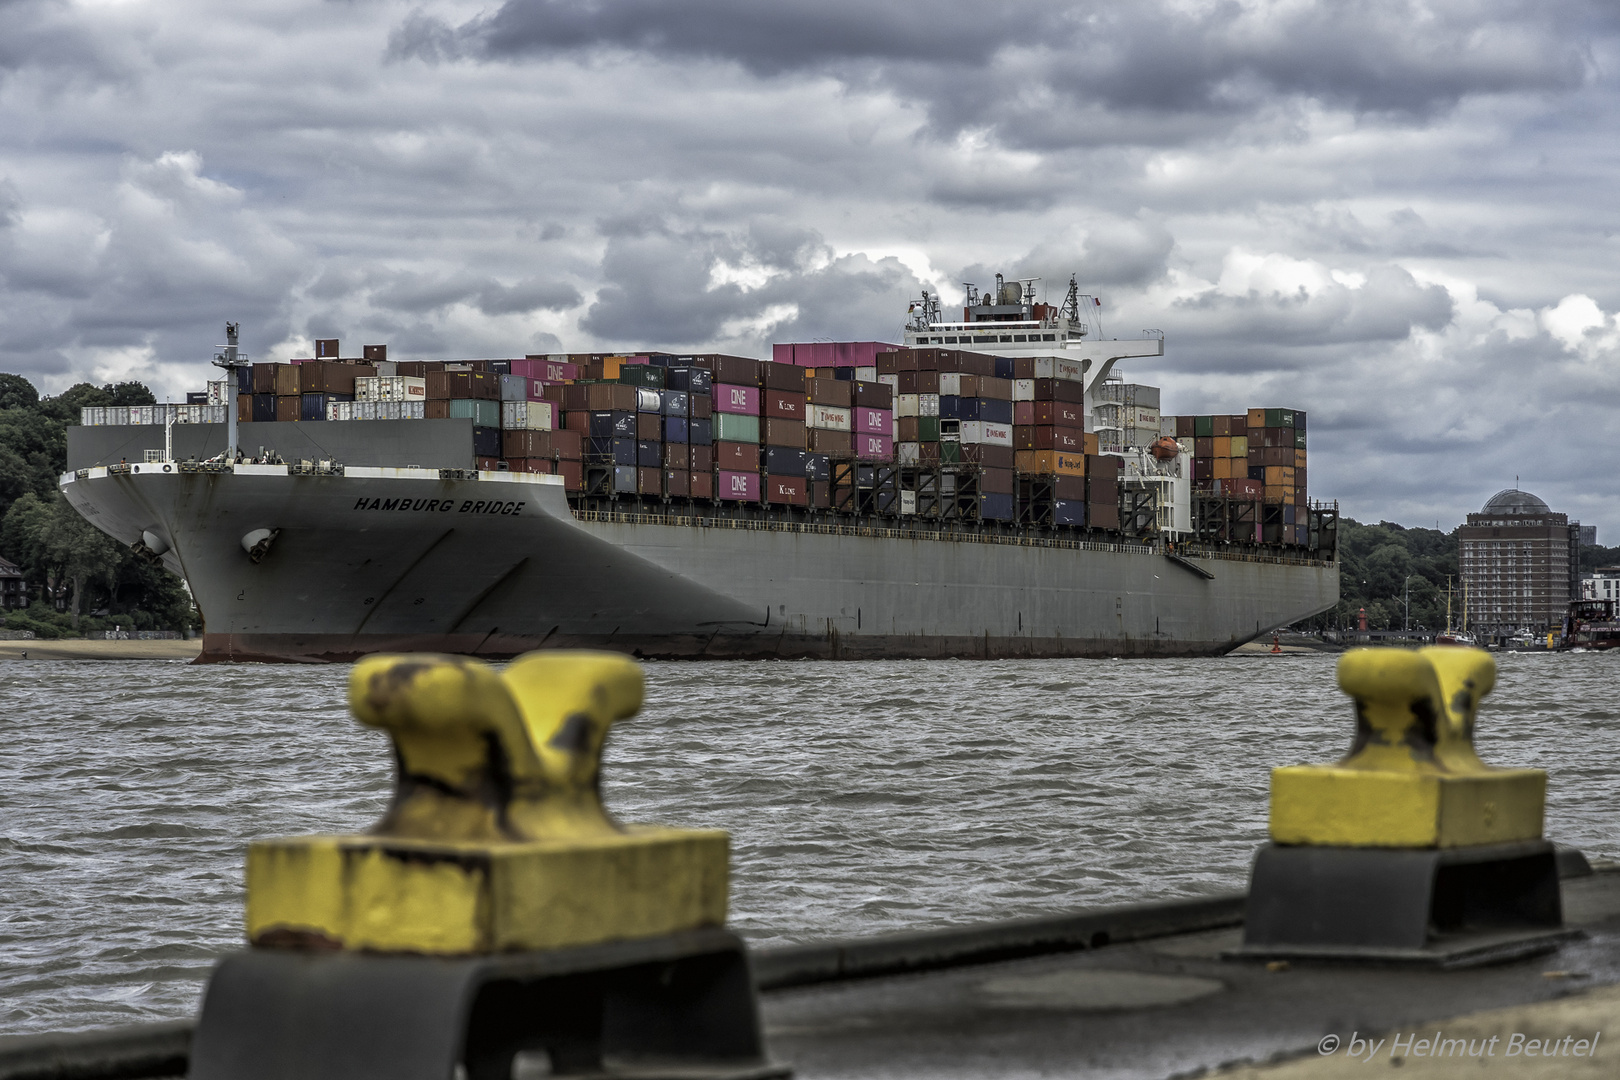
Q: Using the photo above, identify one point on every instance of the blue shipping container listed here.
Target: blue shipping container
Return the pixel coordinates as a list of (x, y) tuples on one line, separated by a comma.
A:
[(612, 451), (700, 432), (613, 425), (675, 429), (487, 441), (264, 408), (784, 461), (650, 454), (624, 479), (1068, 512), (675, 402), (694, 380), (996, 507), (818, 467), (1004, 367), (313, 406)]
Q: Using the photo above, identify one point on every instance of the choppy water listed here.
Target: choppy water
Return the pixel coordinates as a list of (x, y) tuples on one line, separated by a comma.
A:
[(861, 797)]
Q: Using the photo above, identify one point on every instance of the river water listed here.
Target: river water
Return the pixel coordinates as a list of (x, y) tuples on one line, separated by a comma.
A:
[(861, 797)]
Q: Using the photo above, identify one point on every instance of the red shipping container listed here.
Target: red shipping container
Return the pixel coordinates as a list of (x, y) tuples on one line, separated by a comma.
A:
[(835, 392), (678, 456), (782, 377), (1058, 413), (703, 458), (988, 455), (784, 433), (289, 407), (1023, 416), (701, 406), (996, 481), (735, 370), (573, 474), (677, 483), (732, 398), (535, 367), (737, 486), (650, 481), (787, 490), (837, 443), (917, 382), (736, 456), (487, 464), (873, 395), (649, 426), (874, 421), (784, 404), (1060, 390), (703, 485), (874, 447)]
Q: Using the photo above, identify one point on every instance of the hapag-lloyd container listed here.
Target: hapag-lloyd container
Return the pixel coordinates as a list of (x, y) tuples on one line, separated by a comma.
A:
[(986, 431), (874, 421), (738, 400), (876, 447), (827, 418), (737, 486)]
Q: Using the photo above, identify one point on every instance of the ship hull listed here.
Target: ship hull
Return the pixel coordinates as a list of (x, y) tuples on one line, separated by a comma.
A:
[(410, 560)]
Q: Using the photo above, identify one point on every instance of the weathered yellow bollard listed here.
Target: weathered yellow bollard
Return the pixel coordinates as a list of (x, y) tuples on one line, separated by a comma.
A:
[(495, 909), (1410, 847), (496, 838), (1412, 778)]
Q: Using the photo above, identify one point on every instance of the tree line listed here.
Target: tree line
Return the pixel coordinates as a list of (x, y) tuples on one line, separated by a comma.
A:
[(79, 579), (1400, 576)]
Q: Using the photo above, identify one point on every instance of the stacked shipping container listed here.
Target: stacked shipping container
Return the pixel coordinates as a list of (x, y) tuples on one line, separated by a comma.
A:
[(1257, 456)]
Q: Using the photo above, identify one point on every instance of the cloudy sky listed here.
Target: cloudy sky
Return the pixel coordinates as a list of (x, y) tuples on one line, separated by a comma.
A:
[(1397, 215)]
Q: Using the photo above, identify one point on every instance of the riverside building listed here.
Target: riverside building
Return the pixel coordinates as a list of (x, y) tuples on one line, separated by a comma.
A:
[(1520, 564)]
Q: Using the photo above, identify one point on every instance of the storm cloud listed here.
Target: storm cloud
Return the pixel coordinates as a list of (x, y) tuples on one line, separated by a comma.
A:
[(1393, 214)]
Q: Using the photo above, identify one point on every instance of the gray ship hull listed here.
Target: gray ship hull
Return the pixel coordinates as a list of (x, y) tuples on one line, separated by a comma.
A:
[(411, 559)]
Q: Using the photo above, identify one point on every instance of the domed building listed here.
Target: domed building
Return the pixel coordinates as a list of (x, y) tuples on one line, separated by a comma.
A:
[(1520, 564)]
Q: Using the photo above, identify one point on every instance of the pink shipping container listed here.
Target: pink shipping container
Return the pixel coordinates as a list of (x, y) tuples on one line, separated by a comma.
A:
[(737, 486), (782, 354), (548, 370), (1024, 412), (743, 400), (874, 421), (831, 353), (874, 447)]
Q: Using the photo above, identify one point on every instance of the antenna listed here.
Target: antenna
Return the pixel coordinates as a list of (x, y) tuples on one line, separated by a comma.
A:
[(972, 294), (231, 360)]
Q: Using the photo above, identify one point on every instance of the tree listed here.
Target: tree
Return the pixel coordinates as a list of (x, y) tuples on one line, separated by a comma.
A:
[(83, 552), (17, 392)]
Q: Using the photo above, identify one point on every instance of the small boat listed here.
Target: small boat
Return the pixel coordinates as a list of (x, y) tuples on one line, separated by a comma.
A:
[(1451, 636)]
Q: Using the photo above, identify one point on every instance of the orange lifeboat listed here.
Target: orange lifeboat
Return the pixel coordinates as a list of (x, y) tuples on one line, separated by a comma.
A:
[(1165, 448)]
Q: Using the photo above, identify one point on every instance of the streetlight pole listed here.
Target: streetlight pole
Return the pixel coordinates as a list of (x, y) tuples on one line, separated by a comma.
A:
[(1406, 619)]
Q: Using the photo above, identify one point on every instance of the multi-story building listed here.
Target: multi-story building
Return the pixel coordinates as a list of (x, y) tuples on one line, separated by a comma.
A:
[(13, 590), (1520, 564), (1602, 584)]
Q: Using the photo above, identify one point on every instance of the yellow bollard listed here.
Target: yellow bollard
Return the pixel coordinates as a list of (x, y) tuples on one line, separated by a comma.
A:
[(1410, 849), (496, 839), (1412, 778)]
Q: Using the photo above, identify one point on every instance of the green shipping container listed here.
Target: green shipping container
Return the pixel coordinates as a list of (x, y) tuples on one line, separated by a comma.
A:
[(647, 375), (731, 427), (1203, 427), (950, 452), (1279, 418), (481, 413), (928, 429), (1299, 439)]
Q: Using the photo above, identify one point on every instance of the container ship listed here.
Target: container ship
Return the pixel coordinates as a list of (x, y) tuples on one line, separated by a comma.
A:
[(991, 487)]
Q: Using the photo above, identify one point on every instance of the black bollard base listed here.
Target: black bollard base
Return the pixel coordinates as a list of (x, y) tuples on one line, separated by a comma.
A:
[(1448, 907), (679, 1007)]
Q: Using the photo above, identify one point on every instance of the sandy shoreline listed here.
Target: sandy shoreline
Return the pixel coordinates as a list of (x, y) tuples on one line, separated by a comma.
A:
[(80, 649)]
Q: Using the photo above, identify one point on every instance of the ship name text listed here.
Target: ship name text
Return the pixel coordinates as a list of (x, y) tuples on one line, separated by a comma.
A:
[(442, 506)]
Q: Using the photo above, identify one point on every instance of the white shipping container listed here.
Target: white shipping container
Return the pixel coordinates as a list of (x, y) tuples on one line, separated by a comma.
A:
[(217, 414), (908, 502), (866, 374), (514, 388), (927, 404), (908, 453), (1023, 389), (117, 415), (221, 392), (91, 416), (827, 417), (528, 416), (341, 410), (906, 405), (1139, 416), (413, 410), (950, 383), (986, 432), (391, 388), (891, 381)]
